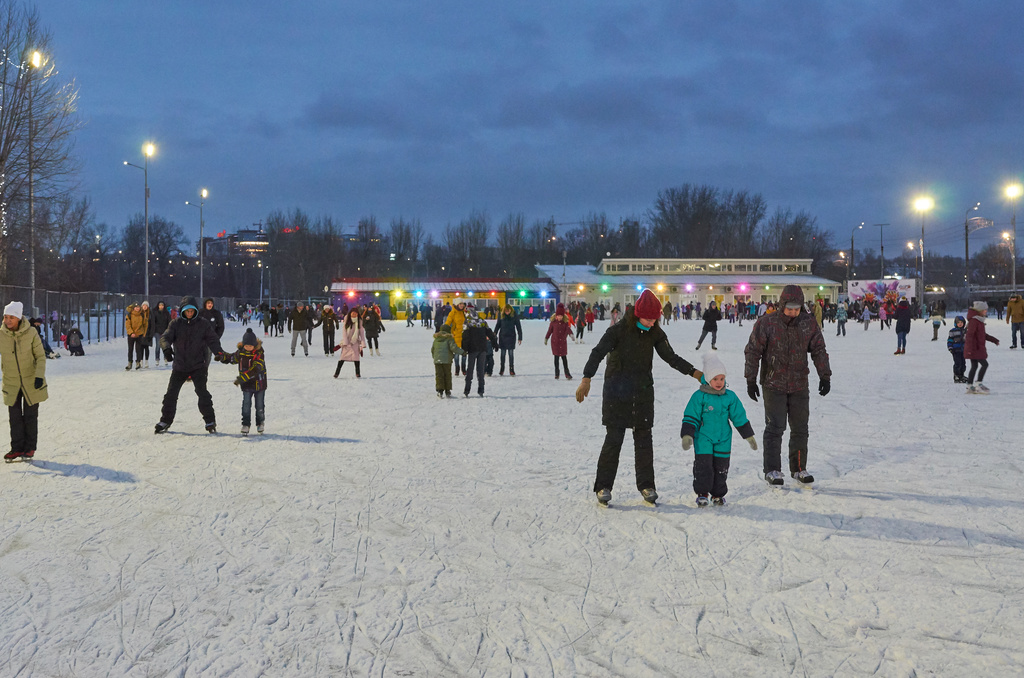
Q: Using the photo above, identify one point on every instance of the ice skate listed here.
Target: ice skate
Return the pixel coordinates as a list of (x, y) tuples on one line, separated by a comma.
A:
[(211, 427), (774, 478), (161, 427), (259, 429), (981, 388), (146, 365), (803, 477), (650, 495), (603, 497), (971, 389), (245, 430), (718, 501), (138, 364), (702, 501)]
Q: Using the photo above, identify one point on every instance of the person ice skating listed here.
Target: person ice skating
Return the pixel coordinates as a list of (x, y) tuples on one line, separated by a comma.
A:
[(628, 391), (160, 320), (559, 332), (865, 316), (135, 328), (190, 339), (373, 326), (329, 321), (215, 318), (443, 351), (974, 346), (711, 317), (779, 344), (841, 317), (73, 342), (252, 378), (353, 341), (23, 366), (147, 339), (299, 321), (955, 345), (936, 319), (902, 326), (457, 321), (37, 324), (509, 331), (581, 322), (1015, 318), (706, 428), (477, 342)]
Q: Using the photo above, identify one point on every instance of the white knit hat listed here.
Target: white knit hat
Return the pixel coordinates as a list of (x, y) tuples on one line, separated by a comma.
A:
[(15, 308), (713, 366), (980, 306)]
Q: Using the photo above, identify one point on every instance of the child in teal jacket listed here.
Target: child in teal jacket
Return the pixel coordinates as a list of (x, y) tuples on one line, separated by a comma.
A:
[(706, 428)]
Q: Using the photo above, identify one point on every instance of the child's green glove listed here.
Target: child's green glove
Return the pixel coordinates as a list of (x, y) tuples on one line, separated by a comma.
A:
[(687, 442)]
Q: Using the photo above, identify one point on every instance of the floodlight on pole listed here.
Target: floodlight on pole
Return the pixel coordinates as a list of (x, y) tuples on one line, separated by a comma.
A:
[(36, 60), (148, 150), (923, 205), (203, 193), (1013, 191)]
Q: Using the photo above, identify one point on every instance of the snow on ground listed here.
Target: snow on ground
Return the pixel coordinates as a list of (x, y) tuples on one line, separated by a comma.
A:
[(377, 531)]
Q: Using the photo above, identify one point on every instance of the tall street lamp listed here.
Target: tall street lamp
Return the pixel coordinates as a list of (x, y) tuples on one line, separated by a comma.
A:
[(35, 62), (147, 151), (1012, 241), (850, 270), (922, 205), (202, 201), (881, 245), (967, 247), (1013, 191)]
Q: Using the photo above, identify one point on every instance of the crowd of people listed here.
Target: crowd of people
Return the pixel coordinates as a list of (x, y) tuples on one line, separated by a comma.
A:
[(776, 365)]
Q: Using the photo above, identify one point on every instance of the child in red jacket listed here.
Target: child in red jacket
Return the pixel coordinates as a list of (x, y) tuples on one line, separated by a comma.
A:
[(974, 346), (559, 331)]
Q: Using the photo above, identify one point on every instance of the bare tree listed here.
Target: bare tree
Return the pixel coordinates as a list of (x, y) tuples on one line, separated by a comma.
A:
[(31, 93), (512, 243)]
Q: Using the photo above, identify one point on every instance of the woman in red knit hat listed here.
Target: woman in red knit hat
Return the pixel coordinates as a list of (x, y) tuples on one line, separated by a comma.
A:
[(559, 332), (628, 393)]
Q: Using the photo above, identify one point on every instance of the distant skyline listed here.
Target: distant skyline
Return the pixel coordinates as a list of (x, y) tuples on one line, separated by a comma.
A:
[(847, 111)]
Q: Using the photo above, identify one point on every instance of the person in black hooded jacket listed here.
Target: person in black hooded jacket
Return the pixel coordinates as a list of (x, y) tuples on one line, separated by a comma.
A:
[(190, 337), (160, 320), (208, 312)]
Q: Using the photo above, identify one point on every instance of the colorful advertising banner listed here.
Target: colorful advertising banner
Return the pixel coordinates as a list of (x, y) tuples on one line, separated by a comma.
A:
[(858, 290)]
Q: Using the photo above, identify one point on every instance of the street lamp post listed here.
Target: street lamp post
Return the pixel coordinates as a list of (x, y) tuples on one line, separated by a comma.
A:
[(147, 151), (881, 245), (850, 270), (35, 62), (1012, 240), (202, 201), (1013, 192), (967, 247), (922, 205)]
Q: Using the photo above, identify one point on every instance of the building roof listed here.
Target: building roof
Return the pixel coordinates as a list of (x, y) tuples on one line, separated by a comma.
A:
[(588, 275), (453, 285)]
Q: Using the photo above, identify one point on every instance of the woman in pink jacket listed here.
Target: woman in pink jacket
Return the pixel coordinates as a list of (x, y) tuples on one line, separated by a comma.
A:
[(353, 341), (560, 331)]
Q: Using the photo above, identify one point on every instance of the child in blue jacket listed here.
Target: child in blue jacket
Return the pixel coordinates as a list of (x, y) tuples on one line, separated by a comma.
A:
[(706, 428), (955, 344)]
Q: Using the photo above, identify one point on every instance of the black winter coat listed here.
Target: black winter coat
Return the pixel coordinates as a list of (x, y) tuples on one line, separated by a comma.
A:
[(213, 316), (903, 318), (474, 338), (628, 394), (509, 330), (711, 318), (159, 321), (189, 339), (372, 325), (300, 321)]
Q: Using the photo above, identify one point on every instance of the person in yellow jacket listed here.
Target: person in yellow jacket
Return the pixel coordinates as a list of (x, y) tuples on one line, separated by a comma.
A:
[(1015, 316), (457, 320), (136, 325), (23, 364)]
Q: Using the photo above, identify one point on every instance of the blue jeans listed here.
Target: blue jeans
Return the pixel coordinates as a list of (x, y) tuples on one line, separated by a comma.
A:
[(1015, 329), (247, 398), (901, 341)]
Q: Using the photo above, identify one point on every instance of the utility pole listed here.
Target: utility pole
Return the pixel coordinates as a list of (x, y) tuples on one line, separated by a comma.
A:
[(881, 257), (967, 248)]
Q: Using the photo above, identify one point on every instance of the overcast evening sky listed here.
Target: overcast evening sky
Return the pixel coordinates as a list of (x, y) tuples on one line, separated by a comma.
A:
[(429, 110)]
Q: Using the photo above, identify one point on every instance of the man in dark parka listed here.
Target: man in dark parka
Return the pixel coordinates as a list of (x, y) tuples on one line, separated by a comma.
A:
[(628, 393)]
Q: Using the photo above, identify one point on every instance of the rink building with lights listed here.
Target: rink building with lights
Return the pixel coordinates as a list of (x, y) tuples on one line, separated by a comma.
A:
[(681, 281)]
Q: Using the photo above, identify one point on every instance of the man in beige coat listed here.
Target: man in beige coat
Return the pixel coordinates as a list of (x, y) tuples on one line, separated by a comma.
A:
[(23, 364), (1015, 318)]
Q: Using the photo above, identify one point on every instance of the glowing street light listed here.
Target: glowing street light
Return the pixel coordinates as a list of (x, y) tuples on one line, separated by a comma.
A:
[(35, 61), (1013, 191), (147, 151), (923, 205), (850, 271), (967, 246)]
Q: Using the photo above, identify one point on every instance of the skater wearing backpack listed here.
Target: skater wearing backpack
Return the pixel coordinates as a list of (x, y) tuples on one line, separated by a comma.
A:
[(252, 378), (779, 344), (974, 346), (23, 365)]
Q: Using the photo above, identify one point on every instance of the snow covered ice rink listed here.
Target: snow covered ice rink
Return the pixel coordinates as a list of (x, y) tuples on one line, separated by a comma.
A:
[(377, 531)]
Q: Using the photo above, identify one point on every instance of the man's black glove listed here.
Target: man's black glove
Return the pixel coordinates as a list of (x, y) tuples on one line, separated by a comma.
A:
[(824, 387), (752, 390), (39, 383)]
